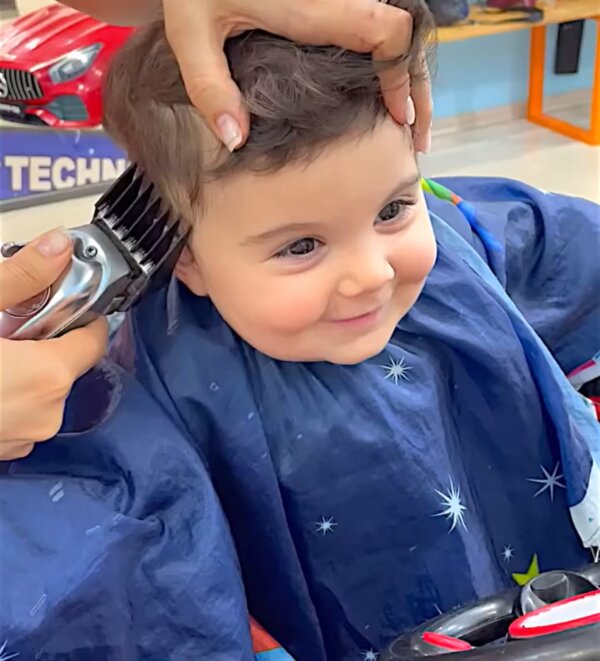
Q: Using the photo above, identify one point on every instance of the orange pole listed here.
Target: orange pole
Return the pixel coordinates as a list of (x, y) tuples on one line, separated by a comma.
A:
[(535, 102), (595, 110), (537, 61), (565, 128)]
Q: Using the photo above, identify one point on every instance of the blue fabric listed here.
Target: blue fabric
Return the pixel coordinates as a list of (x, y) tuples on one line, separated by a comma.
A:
[(113, 546), (551, 262), (361, 500), (274, 655), (335, 479)]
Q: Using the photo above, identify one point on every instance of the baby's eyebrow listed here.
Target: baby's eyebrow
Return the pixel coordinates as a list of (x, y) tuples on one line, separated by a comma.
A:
[(275, 232), (299, 228), (408, 182)]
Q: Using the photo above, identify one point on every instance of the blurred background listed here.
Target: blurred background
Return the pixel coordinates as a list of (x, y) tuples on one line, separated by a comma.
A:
[(516, 93)]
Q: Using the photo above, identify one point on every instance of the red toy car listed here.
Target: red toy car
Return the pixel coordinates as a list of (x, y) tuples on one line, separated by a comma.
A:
[(51, 65)]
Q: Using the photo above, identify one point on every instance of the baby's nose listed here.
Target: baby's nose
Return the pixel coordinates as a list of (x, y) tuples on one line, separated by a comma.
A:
[(366, 272)]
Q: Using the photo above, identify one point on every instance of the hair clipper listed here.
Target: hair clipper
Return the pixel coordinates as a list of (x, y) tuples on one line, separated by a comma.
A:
[(130, 247)]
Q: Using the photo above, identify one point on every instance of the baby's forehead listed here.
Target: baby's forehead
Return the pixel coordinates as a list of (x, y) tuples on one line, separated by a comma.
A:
[(355, 168)]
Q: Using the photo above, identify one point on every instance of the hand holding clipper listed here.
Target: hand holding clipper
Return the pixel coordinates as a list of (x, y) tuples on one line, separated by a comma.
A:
[(36, 377), (131, 246)]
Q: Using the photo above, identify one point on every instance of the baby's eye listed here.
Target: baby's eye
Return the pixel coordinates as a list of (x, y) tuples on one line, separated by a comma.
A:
[(300, 248), (395, 210)]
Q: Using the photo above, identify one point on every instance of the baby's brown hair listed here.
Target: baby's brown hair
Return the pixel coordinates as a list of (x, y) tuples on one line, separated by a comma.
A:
[(300, 98)]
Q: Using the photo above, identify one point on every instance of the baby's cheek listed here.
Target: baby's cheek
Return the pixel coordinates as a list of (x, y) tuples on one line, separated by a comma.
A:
[(289, 311), (418, 254)]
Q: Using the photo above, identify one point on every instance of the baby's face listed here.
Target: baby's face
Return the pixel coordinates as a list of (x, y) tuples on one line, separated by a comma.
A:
[(317, 262)]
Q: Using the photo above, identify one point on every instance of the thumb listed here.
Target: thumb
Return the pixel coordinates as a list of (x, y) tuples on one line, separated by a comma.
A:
[(34, 268)]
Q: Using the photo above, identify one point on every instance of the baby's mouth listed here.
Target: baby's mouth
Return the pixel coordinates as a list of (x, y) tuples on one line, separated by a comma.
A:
[(367, 318)]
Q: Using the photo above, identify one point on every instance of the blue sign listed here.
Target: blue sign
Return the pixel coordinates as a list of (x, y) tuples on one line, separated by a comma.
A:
[(44, 162)]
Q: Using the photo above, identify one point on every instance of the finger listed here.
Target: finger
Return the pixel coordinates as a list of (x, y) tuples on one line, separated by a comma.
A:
[(395, 80), (364, 26), (194, 37), (421, 95), (15, 450), (82, 348), (358, 25), (396, 90), (34, 268)]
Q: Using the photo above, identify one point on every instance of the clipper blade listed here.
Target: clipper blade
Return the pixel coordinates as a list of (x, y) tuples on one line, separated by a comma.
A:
[(146, 233)]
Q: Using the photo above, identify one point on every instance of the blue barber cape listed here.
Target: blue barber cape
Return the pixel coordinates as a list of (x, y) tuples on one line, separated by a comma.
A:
[(340, 505)]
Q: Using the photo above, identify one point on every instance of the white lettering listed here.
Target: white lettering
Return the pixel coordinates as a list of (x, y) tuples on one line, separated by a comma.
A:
[(16, 165), (63, 165), (44, 174), (39, 174), (113, 169), (88, 171)]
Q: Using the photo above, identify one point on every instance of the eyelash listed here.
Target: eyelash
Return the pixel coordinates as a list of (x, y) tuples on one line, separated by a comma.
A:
[(399, 210), (286, 253)]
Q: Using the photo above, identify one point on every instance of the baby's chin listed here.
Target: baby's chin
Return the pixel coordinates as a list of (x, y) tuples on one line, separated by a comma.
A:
[(364, 347), (348, 353), (357, 352)]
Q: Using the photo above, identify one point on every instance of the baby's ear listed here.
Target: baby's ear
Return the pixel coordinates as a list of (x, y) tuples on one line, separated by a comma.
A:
[(189, 272)]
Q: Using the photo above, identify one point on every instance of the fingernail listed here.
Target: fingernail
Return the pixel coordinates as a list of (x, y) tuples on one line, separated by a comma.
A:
[(410, 111), (229, 132), (424, 142), (54, 243), (427, 142)]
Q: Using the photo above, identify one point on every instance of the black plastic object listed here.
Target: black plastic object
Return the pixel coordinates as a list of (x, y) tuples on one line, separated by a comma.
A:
[(568, 48), (484, 625), (591, 389), (551, 587), (149, 237)]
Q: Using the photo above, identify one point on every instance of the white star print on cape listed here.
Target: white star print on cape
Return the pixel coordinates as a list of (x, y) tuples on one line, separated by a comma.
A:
[(370, 655), (507, 553), (7, 656), (397, 370), (453, 510), (325, 525), (548, 482)]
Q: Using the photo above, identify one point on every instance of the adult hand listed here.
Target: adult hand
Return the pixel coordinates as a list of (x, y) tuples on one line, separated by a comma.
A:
[(197, 30), (36, 377)]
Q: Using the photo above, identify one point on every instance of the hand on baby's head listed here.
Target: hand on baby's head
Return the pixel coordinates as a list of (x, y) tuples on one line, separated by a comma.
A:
[(384, 29)]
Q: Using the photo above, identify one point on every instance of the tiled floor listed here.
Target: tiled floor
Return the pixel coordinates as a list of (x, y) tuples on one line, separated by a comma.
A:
[(519, 150), (516, 149)]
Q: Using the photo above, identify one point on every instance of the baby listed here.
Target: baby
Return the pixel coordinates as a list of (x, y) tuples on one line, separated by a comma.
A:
[(378, 459), (386, 434)]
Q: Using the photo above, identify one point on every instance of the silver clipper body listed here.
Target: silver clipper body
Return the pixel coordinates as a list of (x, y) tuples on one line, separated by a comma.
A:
[(130, 247)]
